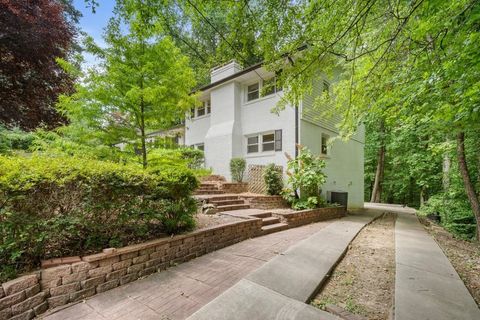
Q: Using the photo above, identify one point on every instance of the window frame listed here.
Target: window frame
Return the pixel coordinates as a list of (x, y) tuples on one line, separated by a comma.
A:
[(324, 146), (272, 142), (208, 106), (257, 91), (260, 142), (257, 144)]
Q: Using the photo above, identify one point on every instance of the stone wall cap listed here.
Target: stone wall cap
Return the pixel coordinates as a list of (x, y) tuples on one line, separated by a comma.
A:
[(157, 242)]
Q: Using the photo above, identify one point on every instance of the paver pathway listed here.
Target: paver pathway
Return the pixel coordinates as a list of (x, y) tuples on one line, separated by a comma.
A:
[(179, 291), (426, 284)]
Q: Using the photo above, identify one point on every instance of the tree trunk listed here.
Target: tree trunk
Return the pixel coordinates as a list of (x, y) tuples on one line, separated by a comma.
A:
[(142, 132), (469, 188), (377, 185), (446, 172)]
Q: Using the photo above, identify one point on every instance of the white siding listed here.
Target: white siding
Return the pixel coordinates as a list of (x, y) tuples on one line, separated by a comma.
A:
[(324, 116), (344, 162), (256, 117)]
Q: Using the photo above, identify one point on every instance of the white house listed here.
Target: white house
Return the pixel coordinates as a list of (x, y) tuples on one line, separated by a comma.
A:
[(235, 120)]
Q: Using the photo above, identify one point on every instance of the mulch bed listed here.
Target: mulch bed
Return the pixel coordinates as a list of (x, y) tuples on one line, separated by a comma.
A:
[(363, 282)]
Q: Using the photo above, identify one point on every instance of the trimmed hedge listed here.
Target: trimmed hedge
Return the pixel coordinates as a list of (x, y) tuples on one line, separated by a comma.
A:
[(62, 206)]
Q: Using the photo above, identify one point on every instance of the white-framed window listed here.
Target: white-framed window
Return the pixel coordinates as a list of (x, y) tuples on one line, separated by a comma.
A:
[(201, 111), (262, 88), (252, 144), (324, 144), (199, 146), (265, 142), (326, 87), (208, 106), (204, 109), (253, 91)]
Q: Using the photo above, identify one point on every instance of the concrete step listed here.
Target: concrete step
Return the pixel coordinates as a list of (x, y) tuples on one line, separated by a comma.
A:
[(208, 186), (233, 207), (221, 198), (227, 202), (270, 220), (274, 228), (202, 191), (264, 214)]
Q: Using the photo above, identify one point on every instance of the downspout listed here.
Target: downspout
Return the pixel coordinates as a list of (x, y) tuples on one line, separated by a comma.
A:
[(296, 132)]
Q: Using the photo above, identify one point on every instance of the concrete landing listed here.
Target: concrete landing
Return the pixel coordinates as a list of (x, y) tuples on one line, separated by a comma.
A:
[(298, 272), (426, 284), (280, 288), (248, 300)]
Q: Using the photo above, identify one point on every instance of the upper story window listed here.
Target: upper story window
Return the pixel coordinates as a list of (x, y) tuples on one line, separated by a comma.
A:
[(208, 106), (326, 87), (201, 111), (324, 146), (204, 109), (253, 91), (264, 142), (262, 88)]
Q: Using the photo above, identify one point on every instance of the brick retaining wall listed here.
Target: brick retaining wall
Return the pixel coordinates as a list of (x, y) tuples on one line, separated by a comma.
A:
[(33, 294), (265, 202), (301, 217)]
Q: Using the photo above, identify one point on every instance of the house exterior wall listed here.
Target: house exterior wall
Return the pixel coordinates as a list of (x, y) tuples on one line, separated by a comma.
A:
[(225, 130), (196, 129), (344, 161), (232, 119), (258, 118)]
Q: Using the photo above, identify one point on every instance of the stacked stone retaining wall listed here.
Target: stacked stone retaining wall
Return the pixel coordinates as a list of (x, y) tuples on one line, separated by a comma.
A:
[(31, 295)]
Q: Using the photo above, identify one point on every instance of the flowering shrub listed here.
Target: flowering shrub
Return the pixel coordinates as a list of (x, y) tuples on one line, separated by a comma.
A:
[(305, 178)]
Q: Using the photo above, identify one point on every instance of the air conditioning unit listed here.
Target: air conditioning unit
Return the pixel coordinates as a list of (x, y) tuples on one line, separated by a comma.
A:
[(339, 197)]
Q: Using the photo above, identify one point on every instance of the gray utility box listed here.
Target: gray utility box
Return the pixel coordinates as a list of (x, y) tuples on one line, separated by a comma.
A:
[(339, 197)]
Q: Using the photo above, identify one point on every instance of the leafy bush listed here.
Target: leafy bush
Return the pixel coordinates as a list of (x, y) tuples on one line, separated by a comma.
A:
[(237, 169), (454, 213), (189, 157), (272, 176), (63, 206), (305, 177), (14, 139)]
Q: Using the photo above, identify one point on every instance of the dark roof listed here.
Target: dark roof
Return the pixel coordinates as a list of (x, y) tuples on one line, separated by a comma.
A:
[(242, 72)]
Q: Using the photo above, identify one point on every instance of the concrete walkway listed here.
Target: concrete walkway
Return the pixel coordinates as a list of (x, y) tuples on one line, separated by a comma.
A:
[(280, 288), (181, 290), (426, 284)]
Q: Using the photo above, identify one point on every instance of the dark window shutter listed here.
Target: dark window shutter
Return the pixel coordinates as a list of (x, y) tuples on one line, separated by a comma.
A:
[(278, 140)]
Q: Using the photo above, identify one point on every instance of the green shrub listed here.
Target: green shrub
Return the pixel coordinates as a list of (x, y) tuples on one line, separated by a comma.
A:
[(14, 139), (454, 212), (305, 177), (272, 176), (62, 206), (237, 169), (189, 157)]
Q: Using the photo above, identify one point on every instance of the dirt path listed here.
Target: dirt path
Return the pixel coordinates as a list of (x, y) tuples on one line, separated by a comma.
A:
[(363, 282), (464, 256)]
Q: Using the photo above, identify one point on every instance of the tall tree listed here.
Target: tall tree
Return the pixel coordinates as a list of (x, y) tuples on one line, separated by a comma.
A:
[(143, 84), (405, 59), (32, 35)]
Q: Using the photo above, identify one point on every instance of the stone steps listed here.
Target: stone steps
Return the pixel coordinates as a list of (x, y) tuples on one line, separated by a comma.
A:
[(232, 207), (274, 228), (207, 191), (270, 220), (262, 215), (227, 202), (221, 198)]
